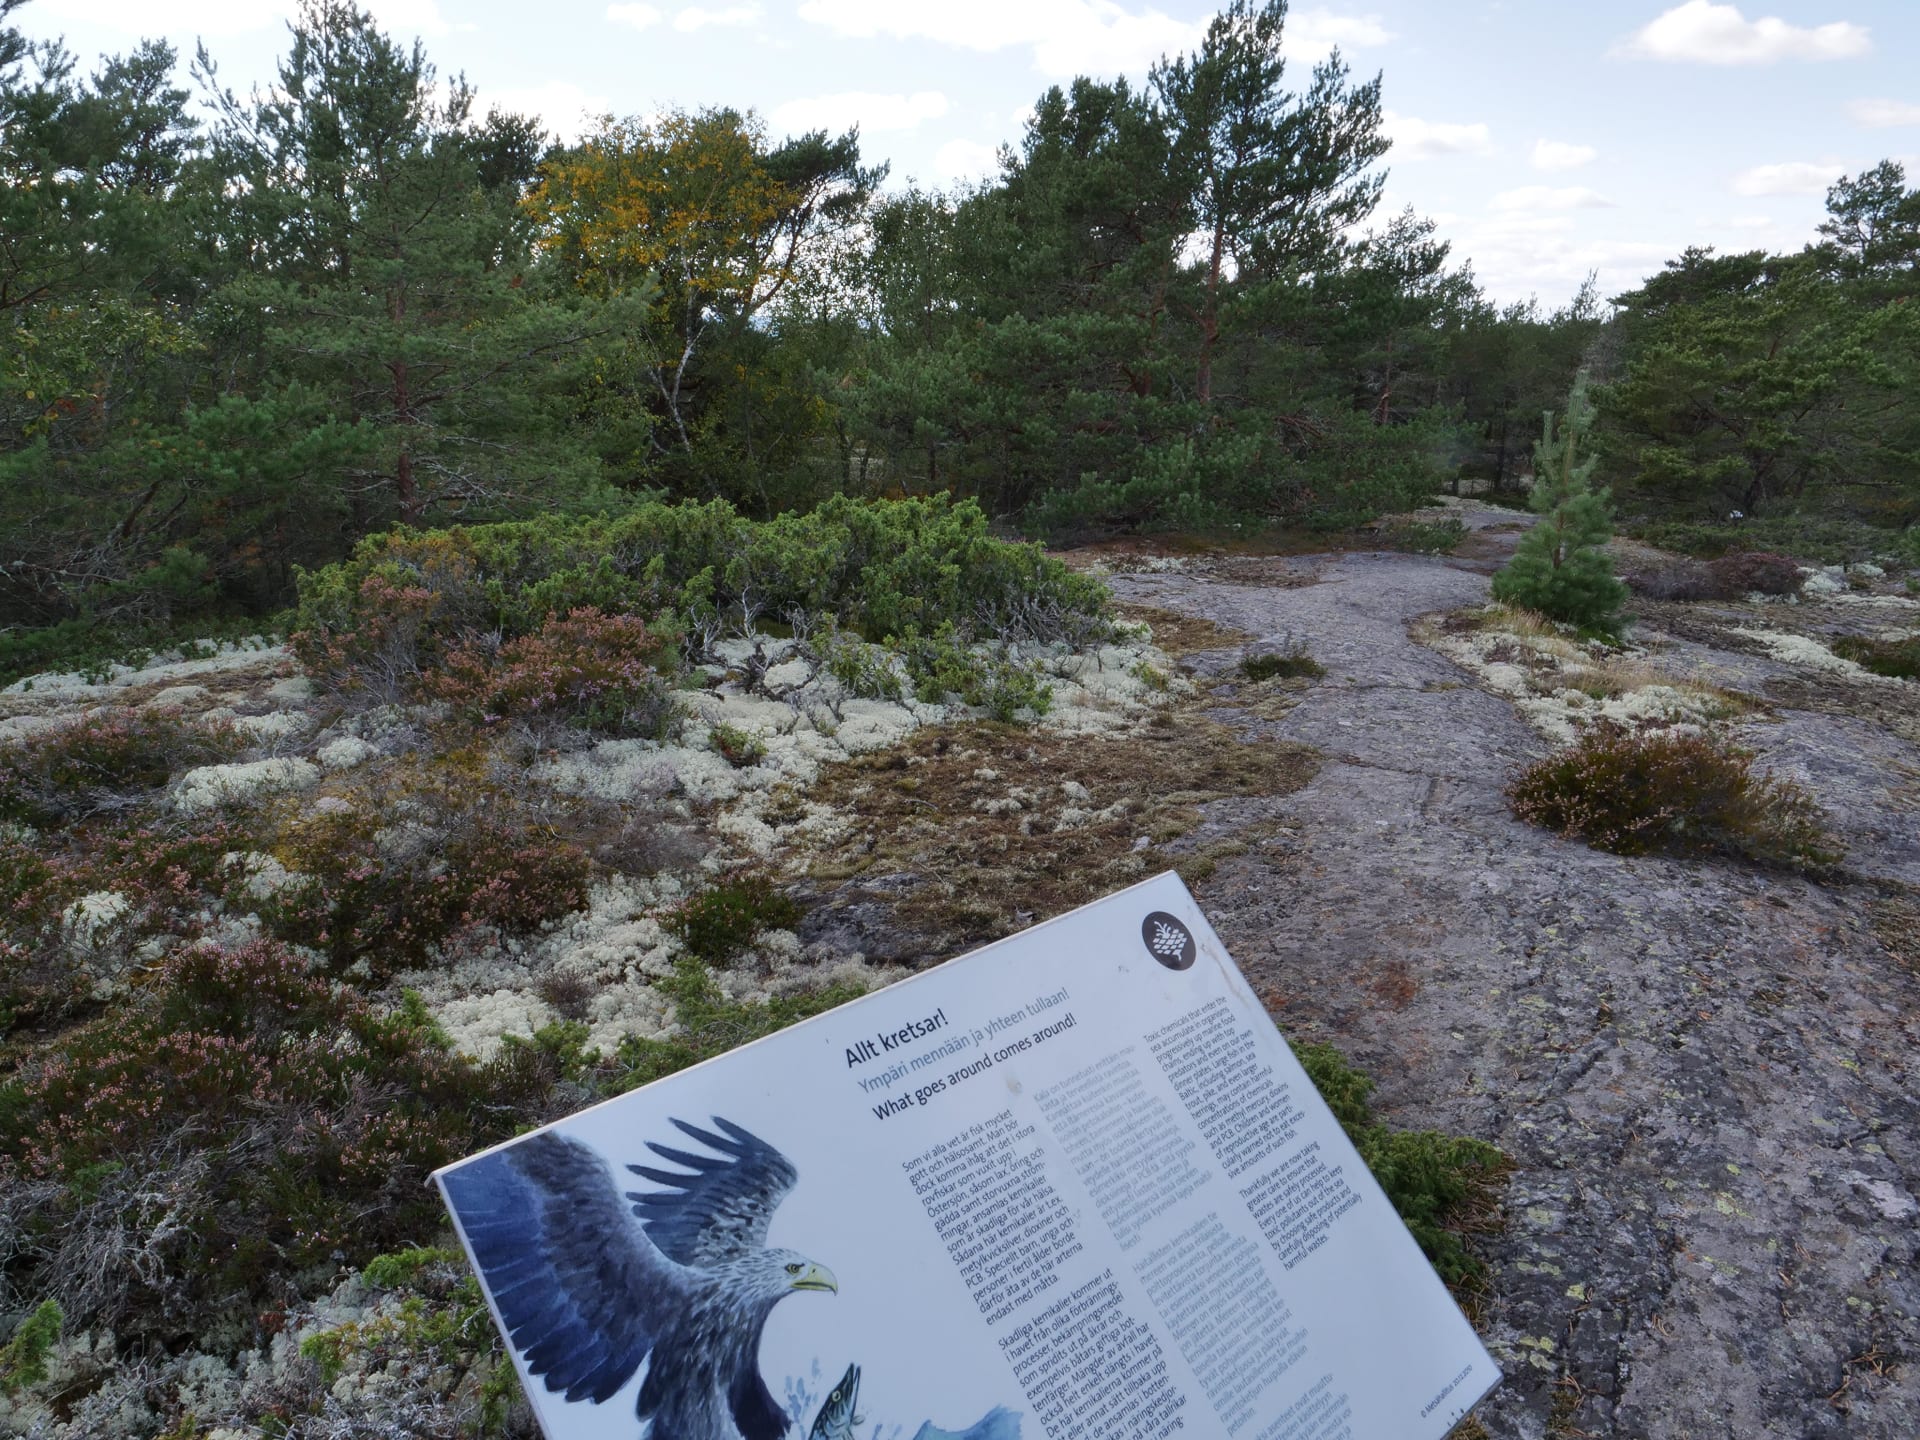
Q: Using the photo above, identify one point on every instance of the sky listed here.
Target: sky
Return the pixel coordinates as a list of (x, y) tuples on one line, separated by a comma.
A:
[(1546, 138)]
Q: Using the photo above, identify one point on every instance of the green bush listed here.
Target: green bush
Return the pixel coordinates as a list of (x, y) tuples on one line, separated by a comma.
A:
[(1438, 1183), (1291, 663), (23, 1359), (899, 571), (1896, 659), (721, 921), (1638, 792)]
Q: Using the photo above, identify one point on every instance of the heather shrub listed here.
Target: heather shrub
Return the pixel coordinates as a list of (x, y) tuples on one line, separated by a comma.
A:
[(1747, 572), (444, 852), (1679, 580), (246, 1120), (1635, 792), (1896, 659), (601, 673), (105, 762), (721, 921)]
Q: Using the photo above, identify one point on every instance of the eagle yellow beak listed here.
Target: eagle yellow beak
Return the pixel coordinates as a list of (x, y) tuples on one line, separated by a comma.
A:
[(816, 1277)]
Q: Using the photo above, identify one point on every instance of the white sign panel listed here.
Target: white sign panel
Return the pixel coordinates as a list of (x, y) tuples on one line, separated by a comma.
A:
[(1073, 1186)]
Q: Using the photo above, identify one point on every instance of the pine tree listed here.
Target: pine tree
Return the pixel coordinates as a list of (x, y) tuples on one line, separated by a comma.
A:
[(1559, 568)]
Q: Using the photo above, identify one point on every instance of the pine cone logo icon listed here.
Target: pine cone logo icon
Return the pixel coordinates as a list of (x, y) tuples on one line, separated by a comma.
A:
[(1167, 940)]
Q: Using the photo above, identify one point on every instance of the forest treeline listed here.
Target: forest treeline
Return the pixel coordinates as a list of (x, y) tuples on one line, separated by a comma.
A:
[(239, 331)]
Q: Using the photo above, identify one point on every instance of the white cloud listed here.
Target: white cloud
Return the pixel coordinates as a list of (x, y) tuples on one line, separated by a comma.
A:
[(965, 160), (871, 112), (1312, 33), (1074, 37), (1750, 222), (695, 18), (1416, 139), (1792, 177), (1558, 155), (1882, 114), (562, 106), (640, 17), (408, 17), (1707, 34), (1066, 37), (1548, 197)]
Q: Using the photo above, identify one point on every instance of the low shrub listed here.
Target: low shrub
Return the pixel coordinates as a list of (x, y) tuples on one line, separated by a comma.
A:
[(1820, 538), (1680, 580), (946, 668), (737, 747), (887, 570), (1748, 572), (1635, 792), (721, 921), (1442, 1185), (108, 761), (602, 673), (710, 1025), (442, 853), (1287, 664), (1896, 659), (172, 1164), (1424, 537), (23, 1359)]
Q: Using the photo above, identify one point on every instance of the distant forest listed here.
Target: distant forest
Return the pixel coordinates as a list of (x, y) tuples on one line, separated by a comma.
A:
[(240, 331)]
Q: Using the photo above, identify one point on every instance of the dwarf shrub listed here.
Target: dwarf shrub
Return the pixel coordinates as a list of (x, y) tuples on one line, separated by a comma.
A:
[(1746, 572), (105, 762), (721, 921), (887, 570), (1896, 659), (602, 673), (1437, 1182), (1635, 792), (23, 1359), (1291, 663), (370, 890), (245, 1119)]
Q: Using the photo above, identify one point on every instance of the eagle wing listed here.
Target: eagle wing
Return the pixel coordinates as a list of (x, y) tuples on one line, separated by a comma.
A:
[(722, 1209), (582, 1293)]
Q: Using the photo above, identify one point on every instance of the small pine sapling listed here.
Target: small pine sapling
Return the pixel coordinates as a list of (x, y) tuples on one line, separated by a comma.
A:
[(1559, 568)]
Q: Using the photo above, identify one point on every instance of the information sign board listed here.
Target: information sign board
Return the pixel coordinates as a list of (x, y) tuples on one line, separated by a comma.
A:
[(1073, 1186)]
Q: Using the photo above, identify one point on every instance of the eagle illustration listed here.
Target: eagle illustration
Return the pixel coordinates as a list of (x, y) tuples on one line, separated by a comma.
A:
[(590, 1288)]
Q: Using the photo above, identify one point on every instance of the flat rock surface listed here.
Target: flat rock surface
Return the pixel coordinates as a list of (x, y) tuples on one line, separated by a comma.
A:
[(1700, 1069)]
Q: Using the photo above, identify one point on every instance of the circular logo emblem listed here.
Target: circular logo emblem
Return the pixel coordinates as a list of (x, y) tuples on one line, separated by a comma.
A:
[(1167, 940)]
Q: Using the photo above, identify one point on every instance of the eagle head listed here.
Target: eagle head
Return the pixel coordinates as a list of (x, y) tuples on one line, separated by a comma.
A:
[(789, 1271)]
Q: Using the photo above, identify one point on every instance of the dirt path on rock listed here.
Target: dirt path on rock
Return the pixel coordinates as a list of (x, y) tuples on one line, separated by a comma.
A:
[(1701, 1070)]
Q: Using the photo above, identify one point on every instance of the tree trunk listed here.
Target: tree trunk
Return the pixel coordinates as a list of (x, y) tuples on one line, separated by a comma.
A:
[(1210, 315)]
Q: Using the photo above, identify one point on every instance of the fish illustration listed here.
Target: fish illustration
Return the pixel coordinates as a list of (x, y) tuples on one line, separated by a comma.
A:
[(837, 1418)]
